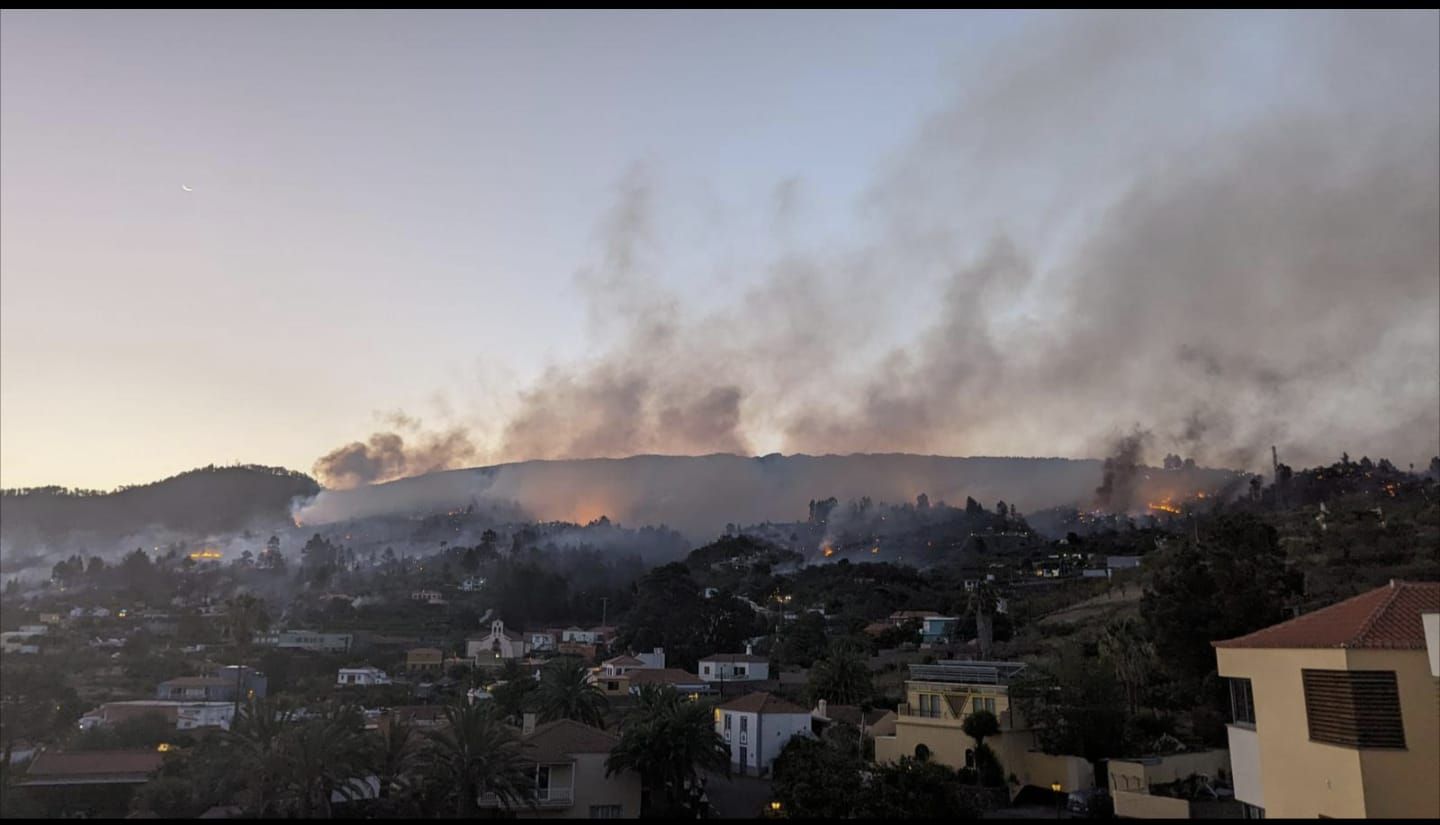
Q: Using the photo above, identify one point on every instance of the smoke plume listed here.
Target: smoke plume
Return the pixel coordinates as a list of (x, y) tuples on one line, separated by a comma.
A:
[(1125, 217)]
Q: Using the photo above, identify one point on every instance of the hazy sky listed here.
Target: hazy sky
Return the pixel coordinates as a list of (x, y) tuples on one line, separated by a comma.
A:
[(470, 216)]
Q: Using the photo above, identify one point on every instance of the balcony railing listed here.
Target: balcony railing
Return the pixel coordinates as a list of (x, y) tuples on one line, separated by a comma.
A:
[(553, 797)]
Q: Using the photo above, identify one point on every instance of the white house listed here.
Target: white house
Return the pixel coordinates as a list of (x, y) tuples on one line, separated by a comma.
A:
[(756, 728), (735, 667), (428, 596), (368, 675), (541, 640), (472, 583), (623, 665), (499, 643)]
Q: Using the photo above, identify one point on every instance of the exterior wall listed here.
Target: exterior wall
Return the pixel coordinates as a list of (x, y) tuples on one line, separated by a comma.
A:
[(1301, 779), (1135, 805), (1074, 773), (1245, 765), (1139, 774), (1390, 776), (592, 788), (766, 736), (712, 671)]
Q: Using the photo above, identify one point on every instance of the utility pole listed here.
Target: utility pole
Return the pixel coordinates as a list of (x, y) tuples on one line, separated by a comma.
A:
[(604, 609)]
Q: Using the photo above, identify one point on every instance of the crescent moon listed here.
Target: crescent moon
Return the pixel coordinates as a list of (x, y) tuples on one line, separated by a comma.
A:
[(186, 188)]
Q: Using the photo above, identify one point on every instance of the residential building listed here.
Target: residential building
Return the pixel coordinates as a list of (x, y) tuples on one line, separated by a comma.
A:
[(735, 667), (900, 617), (542, 641), (613, 675), (361, 676), (825, 713), (1114, 563), (1334, 711), (182, 715), (938, 629), (1181, 785), (219, 686), (938, 698), (592, 636), (307, 640), (88, 784), (571, 782), (424, 660), (683, 681), (472, 584), (499, 643), (428, 596), (756, 727)]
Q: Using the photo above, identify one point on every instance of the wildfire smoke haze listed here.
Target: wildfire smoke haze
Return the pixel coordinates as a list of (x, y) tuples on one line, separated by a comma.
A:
[(1075, 243)]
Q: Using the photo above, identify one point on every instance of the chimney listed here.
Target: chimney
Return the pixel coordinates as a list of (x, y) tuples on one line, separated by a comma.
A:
[(748, 649), (527, 725), (823, 713)]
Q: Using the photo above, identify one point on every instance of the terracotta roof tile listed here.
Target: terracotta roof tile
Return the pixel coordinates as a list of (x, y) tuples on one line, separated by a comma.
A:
[(762, 703), (557, 741), (76, 764), (663, 676), (735, 657), (1386, 617)]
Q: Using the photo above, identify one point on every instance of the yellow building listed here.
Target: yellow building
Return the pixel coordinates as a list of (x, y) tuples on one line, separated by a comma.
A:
[(1336, 713), (939, 696)]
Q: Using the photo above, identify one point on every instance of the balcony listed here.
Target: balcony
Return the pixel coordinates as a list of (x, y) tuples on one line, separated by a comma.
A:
[(552, 797)]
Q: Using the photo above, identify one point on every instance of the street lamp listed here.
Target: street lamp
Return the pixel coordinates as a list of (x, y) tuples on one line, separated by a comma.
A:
[(1055, 786)]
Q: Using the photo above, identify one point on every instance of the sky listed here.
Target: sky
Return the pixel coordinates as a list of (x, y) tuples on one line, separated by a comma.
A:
[(414, 240)]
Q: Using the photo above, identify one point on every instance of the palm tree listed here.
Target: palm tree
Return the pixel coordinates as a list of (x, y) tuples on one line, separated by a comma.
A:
[(323, 757), (256, 737), (1124, 645), (669, 742), (397, 753), (567, 692), (841, 677), (978, 726), (245, 615), (983, 602), (476, 753)]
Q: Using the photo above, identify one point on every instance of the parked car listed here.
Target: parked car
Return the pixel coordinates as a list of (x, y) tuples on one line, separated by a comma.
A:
[(1091, 803)]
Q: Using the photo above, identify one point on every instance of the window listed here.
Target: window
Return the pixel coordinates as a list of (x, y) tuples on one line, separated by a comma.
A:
[(542, 782), (1242, 702), (983, 703), (607, 811), (705, 670), (1353, 708), (739, 670), (727, 727), (744, 727)]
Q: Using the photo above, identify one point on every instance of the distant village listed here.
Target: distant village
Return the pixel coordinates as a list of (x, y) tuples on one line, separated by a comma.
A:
[(1026, 675)]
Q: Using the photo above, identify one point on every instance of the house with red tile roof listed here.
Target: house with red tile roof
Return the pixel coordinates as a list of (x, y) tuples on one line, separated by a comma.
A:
[(1334, 712), (756, 727), (568, 762)]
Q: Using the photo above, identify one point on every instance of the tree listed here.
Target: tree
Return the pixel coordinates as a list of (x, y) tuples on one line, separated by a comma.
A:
[(322, 757), (812, 779), (566, 692), (983, 603), (668, 741), (256, 741), (476, 753), (804, 640), (1233, 582), (842, 677), (911, 789), (978, 726), (397, 756), (1075, 705), (1124, 646)]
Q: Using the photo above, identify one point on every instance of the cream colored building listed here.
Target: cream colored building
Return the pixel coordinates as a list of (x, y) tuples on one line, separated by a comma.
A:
[(939, 696), (568, 759), (1335, 713)]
